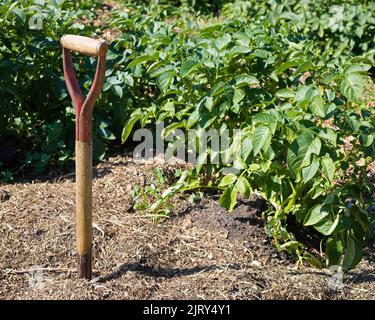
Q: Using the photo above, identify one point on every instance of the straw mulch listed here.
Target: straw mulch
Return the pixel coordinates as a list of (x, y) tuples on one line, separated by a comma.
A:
[(201, 252)]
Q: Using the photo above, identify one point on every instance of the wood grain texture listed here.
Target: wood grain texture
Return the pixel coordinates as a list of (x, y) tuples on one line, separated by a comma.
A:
[(84, 196), (84, 45)]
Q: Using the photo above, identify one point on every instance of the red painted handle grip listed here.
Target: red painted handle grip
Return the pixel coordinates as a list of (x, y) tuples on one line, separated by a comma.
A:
[(84, 107)]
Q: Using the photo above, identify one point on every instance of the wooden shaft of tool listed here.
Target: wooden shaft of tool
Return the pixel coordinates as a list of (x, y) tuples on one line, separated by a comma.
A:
[(84, 207)]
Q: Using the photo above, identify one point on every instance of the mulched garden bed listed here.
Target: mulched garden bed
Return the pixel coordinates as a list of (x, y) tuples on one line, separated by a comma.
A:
[(201, 252)]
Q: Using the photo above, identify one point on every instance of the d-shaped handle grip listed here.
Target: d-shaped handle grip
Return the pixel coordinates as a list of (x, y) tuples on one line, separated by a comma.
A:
[(84, 107), (84, 45)]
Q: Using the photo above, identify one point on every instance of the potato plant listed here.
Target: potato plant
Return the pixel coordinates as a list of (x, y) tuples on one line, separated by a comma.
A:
[(342, 27), (36, 116), (284, 74), (295, 108)]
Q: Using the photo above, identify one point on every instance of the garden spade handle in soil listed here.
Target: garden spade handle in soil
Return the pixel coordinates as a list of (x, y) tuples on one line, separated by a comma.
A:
[(84, 109)]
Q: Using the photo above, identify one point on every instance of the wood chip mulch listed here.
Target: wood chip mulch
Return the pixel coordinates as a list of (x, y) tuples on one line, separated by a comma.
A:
[(201, 252)]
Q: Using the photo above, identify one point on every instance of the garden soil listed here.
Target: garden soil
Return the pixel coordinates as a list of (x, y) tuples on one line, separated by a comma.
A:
[(200, 252)]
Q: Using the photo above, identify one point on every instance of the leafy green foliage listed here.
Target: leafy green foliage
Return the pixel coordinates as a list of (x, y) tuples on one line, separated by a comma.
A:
[(295, 108), (343, 28), (36, 115), (152, 192), (283, 73)]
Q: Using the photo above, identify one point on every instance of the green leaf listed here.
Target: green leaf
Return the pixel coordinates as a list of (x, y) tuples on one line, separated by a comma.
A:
[(206, 119), (106, 133), (193, 118), (315, 215), (20, 13), (357, 68), (328, 77), (330, 94), (312, 260), (263, 117), (239, 50), (261, 139), (290, 246), (138, 60), (328, 134), (202, 159), (238, 96), (285, 93), (332, 196), (170, 128), (188, 66), (164, 80), (300, 151), (288, 15), (286, 65), (243, 186), (367, 139), (118, 91), (334, 250), (129, 126), (309, 172), (208, 103), (228, 199), (98, 149), (362, 217), (244, 80), (327, 227), (128, 79), (353, 253), (208, 63), (218, 89), (223, 41), (305, 66), (114, 80), (317, 106), (304, 94), (351, 86), (260, 53), (246, 147), (328, 168), (227, 180), (162, 70)]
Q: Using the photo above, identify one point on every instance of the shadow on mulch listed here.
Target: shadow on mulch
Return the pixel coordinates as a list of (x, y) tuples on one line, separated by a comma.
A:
[(356, 277), (159, 272), (363, 277)]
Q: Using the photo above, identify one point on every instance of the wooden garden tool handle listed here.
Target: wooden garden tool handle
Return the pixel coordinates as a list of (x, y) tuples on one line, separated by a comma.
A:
[(84, 110), (84, 208), (84, 45), (84, 107)]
